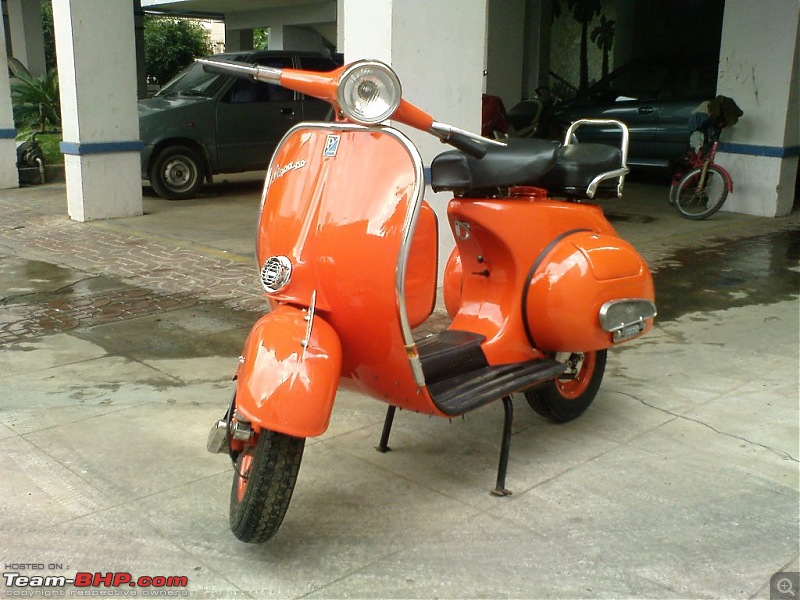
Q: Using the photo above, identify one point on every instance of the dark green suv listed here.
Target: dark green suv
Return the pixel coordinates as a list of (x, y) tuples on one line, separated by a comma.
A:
[(201, 124)]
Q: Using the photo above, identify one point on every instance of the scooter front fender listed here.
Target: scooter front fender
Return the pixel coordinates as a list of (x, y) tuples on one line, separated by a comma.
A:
[(288, 373)]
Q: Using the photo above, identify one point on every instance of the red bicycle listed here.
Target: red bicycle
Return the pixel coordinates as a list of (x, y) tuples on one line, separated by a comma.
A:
[(700, 186)]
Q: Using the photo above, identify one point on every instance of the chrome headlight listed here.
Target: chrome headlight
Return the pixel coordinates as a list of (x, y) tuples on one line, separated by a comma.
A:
[(369, 92)]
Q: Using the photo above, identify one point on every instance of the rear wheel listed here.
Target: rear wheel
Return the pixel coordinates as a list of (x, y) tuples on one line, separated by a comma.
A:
[(696, 200), (567, 397), (263, 484)]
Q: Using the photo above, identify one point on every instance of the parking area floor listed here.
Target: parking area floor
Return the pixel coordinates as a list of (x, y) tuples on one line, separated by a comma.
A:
[(118, 340)]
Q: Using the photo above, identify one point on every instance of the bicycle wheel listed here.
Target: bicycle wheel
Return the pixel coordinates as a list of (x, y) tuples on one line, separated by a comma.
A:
[(697, 202)]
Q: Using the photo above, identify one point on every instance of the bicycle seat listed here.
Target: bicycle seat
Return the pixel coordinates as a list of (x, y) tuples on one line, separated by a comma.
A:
[(522, 162)]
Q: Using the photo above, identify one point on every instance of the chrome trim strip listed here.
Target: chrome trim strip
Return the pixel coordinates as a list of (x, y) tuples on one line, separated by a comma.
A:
[(409, 225), (310, 320)]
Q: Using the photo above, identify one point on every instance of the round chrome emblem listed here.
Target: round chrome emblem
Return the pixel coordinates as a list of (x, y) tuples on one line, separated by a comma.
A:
[(275, 273)]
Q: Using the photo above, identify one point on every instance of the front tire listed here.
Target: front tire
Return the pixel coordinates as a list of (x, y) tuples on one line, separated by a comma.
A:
[(177, 173), (697, 202), (567, 397), (263, 483)]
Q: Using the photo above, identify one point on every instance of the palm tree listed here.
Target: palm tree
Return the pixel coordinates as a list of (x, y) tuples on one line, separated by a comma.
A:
[(36, 100), (584, 11), (603, 36)]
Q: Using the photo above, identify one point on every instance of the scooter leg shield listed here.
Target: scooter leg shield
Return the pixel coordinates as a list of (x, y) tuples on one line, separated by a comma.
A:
[(288, 373)]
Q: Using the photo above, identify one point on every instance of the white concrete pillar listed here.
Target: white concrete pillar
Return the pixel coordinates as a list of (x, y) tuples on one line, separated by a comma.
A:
[(299, 38), (505, 56), (8, 133), (437, 49), (536, 46), (27, 39), (759, 69), (240, 39), (98, 107)]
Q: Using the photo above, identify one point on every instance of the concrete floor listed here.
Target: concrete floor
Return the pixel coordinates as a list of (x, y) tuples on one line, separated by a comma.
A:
[(118, 340)]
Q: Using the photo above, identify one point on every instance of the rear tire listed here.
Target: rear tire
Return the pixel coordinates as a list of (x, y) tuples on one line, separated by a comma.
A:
[(567, 397), (263, 484), (697, 204)]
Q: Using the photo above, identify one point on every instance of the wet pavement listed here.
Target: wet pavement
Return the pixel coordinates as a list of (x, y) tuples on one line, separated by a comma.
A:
[(118, 340), (740, 272)]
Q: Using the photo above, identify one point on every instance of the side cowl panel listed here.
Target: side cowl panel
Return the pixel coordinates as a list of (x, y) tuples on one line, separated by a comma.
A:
[(580, 275), (288, 377)]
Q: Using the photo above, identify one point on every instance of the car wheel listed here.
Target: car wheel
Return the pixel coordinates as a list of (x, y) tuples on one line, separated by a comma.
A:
[(177, 173)]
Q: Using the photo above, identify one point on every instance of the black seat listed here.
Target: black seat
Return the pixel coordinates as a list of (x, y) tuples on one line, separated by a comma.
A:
[(577, 164), (522, 162)]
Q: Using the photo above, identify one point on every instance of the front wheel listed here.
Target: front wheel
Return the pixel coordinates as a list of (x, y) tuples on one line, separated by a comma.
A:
[(263, 483), (177, 173), (567, 397), (696, 199)]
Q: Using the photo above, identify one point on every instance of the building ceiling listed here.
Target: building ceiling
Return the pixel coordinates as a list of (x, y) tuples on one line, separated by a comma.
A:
[(221, 7)]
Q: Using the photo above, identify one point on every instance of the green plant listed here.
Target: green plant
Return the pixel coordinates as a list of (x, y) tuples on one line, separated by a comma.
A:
[(171, 44), (46, 10), (36, 102), (260, 38)]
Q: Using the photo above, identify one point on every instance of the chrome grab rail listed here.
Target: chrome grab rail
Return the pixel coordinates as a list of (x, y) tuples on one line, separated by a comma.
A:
[(620, 173)]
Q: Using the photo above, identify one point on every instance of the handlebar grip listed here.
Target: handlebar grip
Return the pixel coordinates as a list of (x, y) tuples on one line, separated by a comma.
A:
[(471, 146)]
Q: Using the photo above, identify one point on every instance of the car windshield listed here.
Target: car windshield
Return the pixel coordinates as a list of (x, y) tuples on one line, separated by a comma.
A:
[(192, 81), (643, 81)]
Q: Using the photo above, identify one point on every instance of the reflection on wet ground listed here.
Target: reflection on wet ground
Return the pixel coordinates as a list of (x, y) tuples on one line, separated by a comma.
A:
[(756, 270), (56, 301), (40, 298)]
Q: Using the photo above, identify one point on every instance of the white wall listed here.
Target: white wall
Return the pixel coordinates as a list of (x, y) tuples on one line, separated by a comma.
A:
[(505, 45), (98, 108), (8, 145), (761, 73), (437, 49), (284, 21), (27, 40)]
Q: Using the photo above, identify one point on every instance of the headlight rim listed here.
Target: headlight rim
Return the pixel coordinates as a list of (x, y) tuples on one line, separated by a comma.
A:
[(348, 73)]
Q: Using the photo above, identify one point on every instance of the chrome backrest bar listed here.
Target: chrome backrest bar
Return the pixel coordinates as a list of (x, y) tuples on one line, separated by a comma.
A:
[(624, 141)]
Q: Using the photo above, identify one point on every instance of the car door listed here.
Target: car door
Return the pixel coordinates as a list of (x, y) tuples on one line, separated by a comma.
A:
[(313, 108), (629, 95), (689, 84), (252, 117)]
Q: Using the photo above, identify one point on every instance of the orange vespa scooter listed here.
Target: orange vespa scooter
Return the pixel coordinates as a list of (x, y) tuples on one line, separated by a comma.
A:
[(537, 287)]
